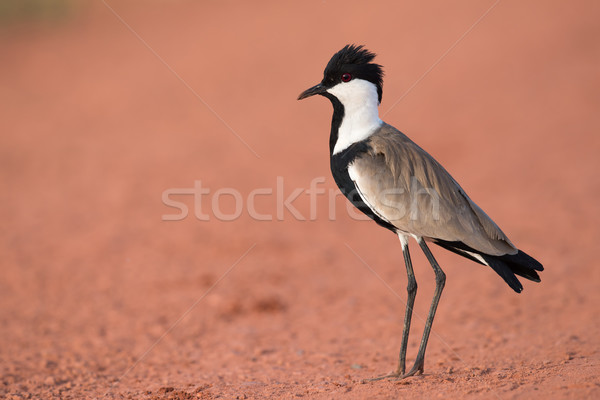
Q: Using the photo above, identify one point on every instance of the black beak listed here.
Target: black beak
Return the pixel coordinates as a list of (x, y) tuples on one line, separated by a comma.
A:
[(317, 89)]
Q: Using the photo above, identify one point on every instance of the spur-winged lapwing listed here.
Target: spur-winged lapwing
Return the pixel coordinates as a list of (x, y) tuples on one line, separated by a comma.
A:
[(402, 188)]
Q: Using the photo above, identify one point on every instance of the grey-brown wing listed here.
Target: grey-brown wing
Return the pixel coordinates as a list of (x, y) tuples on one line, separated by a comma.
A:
[(407, 187)]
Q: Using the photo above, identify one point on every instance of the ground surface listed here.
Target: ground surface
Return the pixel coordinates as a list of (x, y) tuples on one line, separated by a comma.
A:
[(103, 298)]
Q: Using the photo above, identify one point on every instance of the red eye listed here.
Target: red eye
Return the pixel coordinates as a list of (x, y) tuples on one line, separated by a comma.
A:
[(346, 77)]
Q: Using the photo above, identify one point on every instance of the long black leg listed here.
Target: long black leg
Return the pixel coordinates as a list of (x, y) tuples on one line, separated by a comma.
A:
[(440, 281), (412, 293), (410, 302)]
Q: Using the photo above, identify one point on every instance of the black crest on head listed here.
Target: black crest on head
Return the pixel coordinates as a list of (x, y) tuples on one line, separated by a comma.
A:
[(356, 61)]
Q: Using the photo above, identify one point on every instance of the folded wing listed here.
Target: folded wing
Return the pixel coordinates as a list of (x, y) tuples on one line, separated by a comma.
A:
[(405, 186)]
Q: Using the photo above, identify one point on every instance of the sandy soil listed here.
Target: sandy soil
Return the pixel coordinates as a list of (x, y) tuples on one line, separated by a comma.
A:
[(103, 298)]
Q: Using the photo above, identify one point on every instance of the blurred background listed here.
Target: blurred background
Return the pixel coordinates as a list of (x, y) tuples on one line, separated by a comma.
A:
[(107, 105)]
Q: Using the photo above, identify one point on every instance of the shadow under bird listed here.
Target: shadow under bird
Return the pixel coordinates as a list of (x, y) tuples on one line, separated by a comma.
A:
[(404, 189)]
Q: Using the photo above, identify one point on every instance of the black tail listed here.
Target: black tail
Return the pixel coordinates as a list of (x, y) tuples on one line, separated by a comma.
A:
[(507, 266)]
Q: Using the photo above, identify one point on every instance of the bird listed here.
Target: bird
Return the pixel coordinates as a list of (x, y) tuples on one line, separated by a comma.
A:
[(396, 183)]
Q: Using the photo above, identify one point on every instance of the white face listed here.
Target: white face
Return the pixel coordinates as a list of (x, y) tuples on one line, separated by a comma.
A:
[(355, 94), (361, 114)]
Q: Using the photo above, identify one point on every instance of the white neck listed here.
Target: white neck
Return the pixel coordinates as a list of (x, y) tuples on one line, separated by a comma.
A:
[(361, 113)]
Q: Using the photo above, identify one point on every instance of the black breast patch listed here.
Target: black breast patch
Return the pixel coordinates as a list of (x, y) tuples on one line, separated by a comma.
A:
[(339, 169)]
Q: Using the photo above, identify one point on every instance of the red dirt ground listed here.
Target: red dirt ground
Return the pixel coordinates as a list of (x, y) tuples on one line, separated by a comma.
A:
[(102, 298)]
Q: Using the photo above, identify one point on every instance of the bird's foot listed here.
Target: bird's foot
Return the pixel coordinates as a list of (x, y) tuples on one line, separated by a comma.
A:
[(417, 369), (394, 376)]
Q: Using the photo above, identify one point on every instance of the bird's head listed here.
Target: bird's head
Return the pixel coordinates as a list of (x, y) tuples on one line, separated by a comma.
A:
[(350, 77)]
